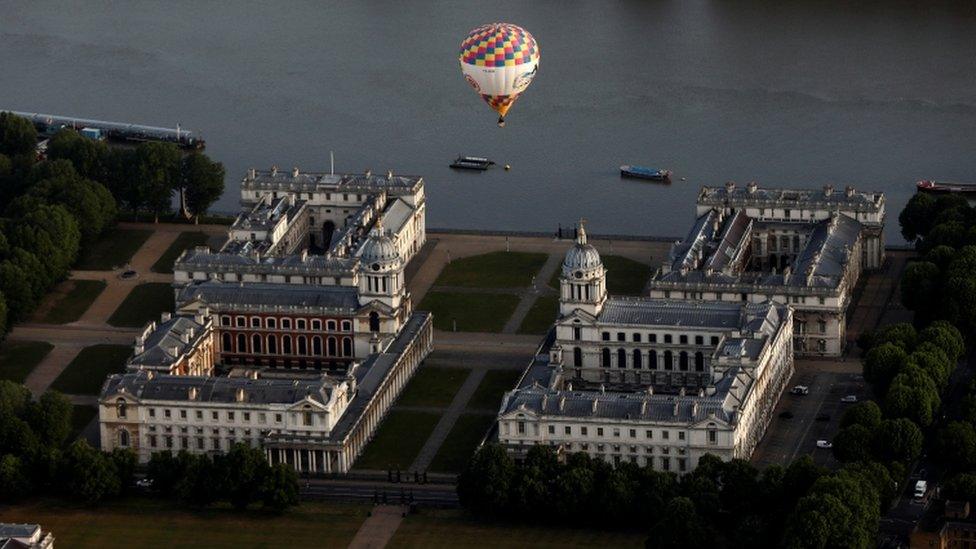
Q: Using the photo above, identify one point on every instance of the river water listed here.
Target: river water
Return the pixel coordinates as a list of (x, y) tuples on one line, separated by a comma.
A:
[(794, 94)]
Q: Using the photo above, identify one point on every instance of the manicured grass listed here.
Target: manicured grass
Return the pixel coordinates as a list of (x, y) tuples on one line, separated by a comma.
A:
[(473, 312), (488, 395), (452, 528), (398, 440), (71, 305), (624, 276), (460, 443), (184, 241), (541, 316), (433, 387), (85, 374), (492, 270), (138, 522), (18, 358), (113, 250), (81, 416), (143, 304)]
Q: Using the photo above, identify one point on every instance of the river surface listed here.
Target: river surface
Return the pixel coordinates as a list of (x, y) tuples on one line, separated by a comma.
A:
[(793, 94)]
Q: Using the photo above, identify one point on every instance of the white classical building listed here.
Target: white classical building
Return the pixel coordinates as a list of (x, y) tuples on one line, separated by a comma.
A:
[(652, 381), (798, 247)]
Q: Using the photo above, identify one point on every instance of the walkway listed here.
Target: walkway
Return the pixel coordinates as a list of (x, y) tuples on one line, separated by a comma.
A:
[(447, 421), (377, 530), (44, 374), (530, 295)]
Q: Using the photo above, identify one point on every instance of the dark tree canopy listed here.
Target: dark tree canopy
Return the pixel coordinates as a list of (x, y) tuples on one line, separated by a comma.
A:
[(202, 181)]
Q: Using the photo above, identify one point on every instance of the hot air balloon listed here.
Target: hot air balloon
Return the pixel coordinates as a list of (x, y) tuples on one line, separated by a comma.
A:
[(499, 61)]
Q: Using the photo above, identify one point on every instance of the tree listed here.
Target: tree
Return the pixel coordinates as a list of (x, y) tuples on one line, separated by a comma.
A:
[(819, 520), (916, 218), (898, 440), (956, 444), (484, 484), (921, 287), (280, 489), (17, 135), (853, 443), (157, 172), (945, 336), (245, 469), (3, 315), (573, 489), (88, 474), (961, 487), (197, 486), (959, 301), (901, 334), (14, 483), (91, 204), (912, 395), (50, 418), (14, 398), (88, 156), (950, 233), (166, 470), (883, 362), (125, 461), (866, 413), (15, 282), (202, 182), (680, 527)]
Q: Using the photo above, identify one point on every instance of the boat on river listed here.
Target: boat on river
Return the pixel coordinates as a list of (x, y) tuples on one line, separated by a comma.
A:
[(642, 172), (935, 187), (472, 163)]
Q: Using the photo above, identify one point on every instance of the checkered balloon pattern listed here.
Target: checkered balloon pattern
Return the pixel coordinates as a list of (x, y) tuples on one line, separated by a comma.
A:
[(499, 45)]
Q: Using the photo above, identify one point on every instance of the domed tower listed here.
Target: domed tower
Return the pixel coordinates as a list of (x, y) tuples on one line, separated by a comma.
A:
[(380, 270), (583, 284)]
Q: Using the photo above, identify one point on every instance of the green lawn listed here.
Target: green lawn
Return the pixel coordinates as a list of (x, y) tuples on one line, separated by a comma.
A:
[(452, 528), (81, 416), (433, 387), (85, 374), (138, 522), (398, 440), (541, 316), (143, 304), (185, 241), (114, 249), (460, 443), (488, 395), (624, 276), (74, 301), (18, 358), (492, 270), (473, 312)]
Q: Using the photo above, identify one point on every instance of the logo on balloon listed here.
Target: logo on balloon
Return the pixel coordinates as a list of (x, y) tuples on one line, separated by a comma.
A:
[(474, 84), (523, 80)]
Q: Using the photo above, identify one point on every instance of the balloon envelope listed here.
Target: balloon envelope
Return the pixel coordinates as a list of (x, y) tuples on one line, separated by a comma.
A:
[(499, 61)]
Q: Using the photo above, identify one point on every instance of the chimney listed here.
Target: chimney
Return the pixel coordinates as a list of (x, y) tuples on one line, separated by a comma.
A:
[(849, 191), (164, 317), (252, 173), (594, 405), (369, 172), (389, 175), (193, 393), (185, 337), (274, 170), (239, 397), (294, 172), (252, 374), (644, 407), (175, 350), (729, 186), (828, 189), (569, 386), (140, 346), (674, 411), (650, 389), (603, 389), (562, 403), (751, 187)]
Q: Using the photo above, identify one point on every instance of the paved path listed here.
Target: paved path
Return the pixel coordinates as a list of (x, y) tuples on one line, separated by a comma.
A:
[(879, 297), (73, 334), (50, 367), (529, 295), (378, 529), (447, 421)]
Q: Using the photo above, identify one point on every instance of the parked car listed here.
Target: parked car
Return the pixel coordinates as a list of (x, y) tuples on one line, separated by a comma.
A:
[(800, 390), (144, 483), (786, 414), (921, 487), (823, 417), (824, 444), (849, 398)]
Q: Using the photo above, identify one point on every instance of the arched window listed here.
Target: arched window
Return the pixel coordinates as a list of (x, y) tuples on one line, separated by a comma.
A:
[(668, 360), (652, 360), (226, 342), (255, 343), (123, 438), (317, 346), (330, 325), (638, 359), (331, 347), (683, 361), (621, 358), (606, 358), (374, 321), (346, 346), (120, 408), (346, 326), (286, 344), (302, 345), (241, 343), (699, 362), (577, 357), (272, 345)]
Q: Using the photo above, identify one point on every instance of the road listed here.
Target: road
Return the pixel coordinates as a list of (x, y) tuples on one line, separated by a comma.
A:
[(372, 492)]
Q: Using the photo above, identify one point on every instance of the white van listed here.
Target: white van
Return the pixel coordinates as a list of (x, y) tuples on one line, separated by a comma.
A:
[(920, 488)]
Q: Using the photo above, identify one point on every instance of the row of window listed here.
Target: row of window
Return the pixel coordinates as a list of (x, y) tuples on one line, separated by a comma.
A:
[(719, 296), (617, 432), (258, 344), (272, 323), (663, 361), (638, 337), (230, 416)]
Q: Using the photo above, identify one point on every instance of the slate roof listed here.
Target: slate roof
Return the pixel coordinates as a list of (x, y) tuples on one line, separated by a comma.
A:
[(159, 345), (267, 295), (646, 311), (635, 406), (144, 386), (397, 215), (203, 259), (16, 530), (283, 179), (806, 198)]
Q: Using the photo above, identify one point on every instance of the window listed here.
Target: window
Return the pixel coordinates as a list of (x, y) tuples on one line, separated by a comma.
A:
[(123, 438), (374, 322), (225, 321), (168, 441), (668, 360), (577, 357), (712, 434), (240, 321), (262, 417), (230, 416), (346, 347), (637, 338), (167, 413), (652, 338), (682, 464), (552, 429), (638, 359), (616, 432), (683, 361), (182, 414), (152, 441), (255, 343), (120, 408), (633, 433), (652, 360), (667, 338), (665, 435), (714, 340), (346, 326), (605, 355), (606, 336), (272, 345), (621, 358), (599, 431), (307, 419), (316, 324), (300, 324), (699, 362), (286, 323), (521, 427), (821, 300), (200, 443), (331, 347), (330, 325), (247, 416), (199, 415), (681, 435), (621, 336), (286, 344), (665, 463), (317, 346), (649, 434), (255, 322), (568, 430), (584, 431), (577, 333), (822, 325), (241, 343), (699, 340), (277, 418), (214, 416), (683, 339), (271, 322)]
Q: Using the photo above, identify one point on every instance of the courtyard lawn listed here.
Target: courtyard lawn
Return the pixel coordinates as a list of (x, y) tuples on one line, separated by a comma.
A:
[(473, 312), (451, 528), (492, 270), (433, 387), (85, 374), (139, 522), (488, 395), (541, 316), (398, 440), (185, 241), (460, 443), (143, 304), (18, 358), (81, 416), (73, 299), (624, 276), (112, 250)]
